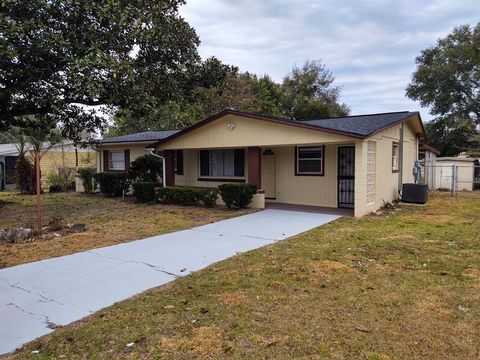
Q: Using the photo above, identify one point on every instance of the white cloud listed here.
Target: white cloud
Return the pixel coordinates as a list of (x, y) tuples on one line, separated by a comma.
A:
[(370, 45)]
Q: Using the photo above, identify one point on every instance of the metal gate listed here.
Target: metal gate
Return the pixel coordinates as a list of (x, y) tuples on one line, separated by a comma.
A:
[(346, 177), (459, 180)]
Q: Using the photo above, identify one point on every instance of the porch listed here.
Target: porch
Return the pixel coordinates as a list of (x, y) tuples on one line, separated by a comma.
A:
[(313, 177), (309, 209)]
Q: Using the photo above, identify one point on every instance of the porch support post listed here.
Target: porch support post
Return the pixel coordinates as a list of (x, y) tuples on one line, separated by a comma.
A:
[(254, 166), (169, 156)]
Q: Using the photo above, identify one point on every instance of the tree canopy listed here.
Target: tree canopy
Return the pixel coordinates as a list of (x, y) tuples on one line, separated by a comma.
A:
[(453, 136), (59, 59), (447, 80), (307, 92)]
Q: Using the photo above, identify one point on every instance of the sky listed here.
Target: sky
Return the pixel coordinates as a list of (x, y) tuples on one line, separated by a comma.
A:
[(369, 45)]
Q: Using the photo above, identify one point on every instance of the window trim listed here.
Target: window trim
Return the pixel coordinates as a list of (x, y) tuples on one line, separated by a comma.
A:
[(221, 178), (395, 144), (297, 159), (110, 161)]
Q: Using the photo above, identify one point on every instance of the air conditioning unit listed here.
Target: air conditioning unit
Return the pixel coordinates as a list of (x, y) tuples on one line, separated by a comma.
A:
[(415, 193)]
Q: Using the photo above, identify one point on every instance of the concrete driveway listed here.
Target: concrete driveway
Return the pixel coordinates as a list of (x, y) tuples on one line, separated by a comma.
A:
[(37, 297)]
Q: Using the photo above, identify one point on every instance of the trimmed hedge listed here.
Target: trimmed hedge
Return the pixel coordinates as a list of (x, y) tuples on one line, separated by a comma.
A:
[(144, 191), (113, 184), (181, 195), (237, 196)]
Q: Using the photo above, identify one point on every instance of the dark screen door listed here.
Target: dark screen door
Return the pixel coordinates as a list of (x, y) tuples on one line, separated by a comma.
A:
[(346, 177)]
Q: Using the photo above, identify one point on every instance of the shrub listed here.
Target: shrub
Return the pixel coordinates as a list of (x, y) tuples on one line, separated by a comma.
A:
[(25, 176), (237, 196), (209, 197), (61, 181), (87, 177), (188, 195), (146, 168), (144, 191), (178, 195), (113, 184)]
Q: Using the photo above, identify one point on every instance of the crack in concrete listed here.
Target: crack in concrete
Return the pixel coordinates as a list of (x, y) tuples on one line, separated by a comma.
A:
[(231, 234), (15, 286), (28, 312), (45, 318), (156, 268)]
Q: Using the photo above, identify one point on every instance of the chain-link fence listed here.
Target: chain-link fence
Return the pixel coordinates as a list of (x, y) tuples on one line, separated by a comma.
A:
[(460, 180)]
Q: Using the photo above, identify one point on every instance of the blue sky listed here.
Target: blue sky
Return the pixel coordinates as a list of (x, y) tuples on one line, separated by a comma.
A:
[(369, 45)]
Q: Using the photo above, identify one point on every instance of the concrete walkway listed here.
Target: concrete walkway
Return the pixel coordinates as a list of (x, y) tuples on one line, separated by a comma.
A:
[(36, 297)]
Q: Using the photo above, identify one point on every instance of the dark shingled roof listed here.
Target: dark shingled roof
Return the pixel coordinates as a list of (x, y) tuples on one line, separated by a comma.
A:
[(364, 125), (140, 137)]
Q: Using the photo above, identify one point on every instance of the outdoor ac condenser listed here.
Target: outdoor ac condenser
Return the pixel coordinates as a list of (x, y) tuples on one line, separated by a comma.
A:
[(415, 193)]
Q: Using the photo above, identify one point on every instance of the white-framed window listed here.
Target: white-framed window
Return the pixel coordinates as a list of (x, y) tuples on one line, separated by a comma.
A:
[(228, 163), (116, 160), (309, 160), (395, 156)]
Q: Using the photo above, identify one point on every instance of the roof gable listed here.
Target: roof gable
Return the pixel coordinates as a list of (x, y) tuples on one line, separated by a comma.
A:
[(357, 127)]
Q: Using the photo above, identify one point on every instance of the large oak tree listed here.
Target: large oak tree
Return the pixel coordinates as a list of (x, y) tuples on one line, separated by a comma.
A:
[(60, 59), (447, 80)]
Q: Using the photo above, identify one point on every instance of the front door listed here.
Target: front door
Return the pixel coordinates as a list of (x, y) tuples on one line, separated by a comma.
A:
[(346, 176), (268, 173)]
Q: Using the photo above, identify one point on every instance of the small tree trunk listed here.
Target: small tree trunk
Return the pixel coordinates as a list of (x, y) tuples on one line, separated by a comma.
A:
[(38, 190)]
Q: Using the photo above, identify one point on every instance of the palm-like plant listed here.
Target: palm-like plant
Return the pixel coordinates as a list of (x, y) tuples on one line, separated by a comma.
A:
[(39, 140)]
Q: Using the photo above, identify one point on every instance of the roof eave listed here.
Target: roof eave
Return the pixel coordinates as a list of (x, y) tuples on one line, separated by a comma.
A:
[(257, 117), (139, 142)]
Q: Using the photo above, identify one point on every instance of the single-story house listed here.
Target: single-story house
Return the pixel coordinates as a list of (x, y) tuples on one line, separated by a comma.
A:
[(62, 155), (354, 162)]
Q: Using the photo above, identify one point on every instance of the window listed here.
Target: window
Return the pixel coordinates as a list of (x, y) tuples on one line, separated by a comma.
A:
[(310, 160), (222, 163), (10, 162), (179, 162), (116, 160), (395, 156)]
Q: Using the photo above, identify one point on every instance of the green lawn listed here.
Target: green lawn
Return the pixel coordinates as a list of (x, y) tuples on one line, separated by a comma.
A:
[(405, 285)]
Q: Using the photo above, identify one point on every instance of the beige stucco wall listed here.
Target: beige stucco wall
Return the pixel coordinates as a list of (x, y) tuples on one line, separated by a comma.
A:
[(308, 190), (136, 150), (249, 132), (291, 189), (386, 181)]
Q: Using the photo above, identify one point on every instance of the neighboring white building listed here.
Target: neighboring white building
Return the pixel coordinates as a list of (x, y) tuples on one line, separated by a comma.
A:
[(465, 168), (8, 157)]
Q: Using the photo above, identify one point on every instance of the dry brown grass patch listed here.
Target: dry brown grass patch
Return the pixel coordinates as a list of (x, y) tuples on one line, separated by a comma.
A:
[(205, 341), (109, 221), (436, 218), (472, 272), (329, 266), (234, 298), (432, 304)]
